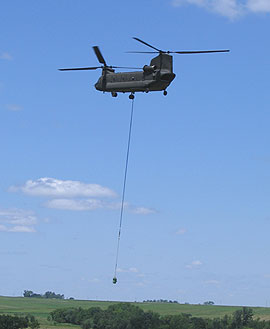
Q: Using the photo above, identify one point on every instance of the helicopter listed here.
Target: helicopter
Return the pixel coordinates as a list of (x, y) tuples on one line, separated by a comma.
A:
[(154, 77)]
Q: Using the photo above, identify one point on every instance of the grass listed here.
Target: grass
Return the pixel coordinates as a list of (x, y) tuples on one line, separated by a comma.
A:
[(41, 308)]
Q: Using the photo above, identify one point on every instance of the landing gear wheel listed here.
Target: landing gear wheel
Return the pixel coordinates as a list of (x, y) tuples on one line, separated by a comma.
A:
[(114, 280), (131, 96), (165, 92), (114, 94)]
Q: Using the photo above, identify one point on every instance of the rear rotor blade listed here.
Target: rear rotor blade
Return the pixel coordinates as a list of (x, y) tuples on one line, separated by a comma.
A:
[(147, 44), (81, 68), (198, 52), (99, 55), (142, 52)]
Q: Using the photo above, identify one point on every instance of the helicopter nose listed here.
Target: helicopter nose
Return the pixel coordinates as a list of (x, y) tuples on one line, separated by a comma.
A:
[(97, 86)]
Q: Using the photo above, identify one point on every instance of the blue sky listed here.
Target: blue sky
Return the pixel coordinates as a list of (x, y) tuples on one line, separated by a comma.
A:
[(197, 216)]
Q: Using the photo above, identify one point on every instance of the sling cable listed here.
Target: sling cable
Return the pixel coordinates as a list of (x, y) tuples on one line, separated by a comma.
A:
[(123, 191)]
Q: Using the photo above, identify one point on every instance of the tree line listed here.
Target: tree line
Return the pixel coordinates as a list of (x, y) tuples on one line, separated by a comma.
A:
[(128, 316), (160, 301), (18, 322), (48, 294)]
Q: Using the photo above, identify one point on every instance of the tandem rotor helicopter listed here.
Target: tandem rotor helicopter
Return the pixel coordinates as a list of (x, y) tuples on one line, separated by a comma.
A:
[(154, 77)]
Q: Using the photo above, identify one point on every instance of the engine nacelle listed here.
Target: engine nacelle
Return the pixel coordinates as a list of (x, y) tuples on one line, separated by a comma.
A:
[(149, 68)]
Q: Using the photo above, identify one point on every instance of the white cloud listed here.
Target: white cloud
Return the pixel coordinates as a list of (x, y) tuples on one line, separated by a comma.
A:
[(76, 205), (214, 282), (25, 229), (94, 280), (258, 5), (229, 8), (53, 187), (3, 228), (5, 55), (133, 270), (131, 208), (142, 210), (17, 220), (129, 270), (17, 217), (140, 284), (121, 270), (93, 204), (194, 264), (14, 107), (181, 231), (75, 195)]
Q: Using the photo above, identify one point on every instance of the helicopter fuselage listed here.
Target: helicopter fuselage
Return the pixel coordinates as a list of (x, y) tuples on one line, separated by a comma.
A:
[(155, 77), (134, 81)]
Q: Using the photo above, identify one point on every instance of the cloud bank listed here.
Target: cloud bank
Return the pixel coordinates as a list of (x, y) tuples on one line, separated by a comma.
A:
[(129, 270), (13, 107), (93, 204), (75, 195), (181, 231), (5, 55), (53, 187), (194, 264), (17, 220), (229, 8)]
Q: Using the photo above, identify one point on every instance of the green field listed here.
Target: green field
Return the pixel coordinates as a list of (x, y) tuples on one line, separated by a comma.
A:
[(41, 308)]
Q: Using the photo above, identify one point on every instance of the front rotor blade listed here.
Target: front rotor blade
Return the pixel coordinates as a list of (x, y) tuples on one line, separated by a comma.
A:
[(147, 44), (99, 55), (198, 52), (81, 68)]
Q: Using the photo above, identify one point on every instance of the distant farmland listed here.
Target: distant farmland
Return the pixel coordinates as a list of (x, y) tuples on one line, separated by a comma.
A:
[(41, 308)]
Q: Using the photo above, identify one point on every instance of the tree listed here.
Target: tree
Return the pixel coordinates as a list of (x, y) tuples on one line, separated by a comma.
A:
[(30, 293), (27, 293), (13, 322), (237, 319), (247, 315), (48, 294), (51, 294), (242, 318), (87, 324), (32, 322)]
